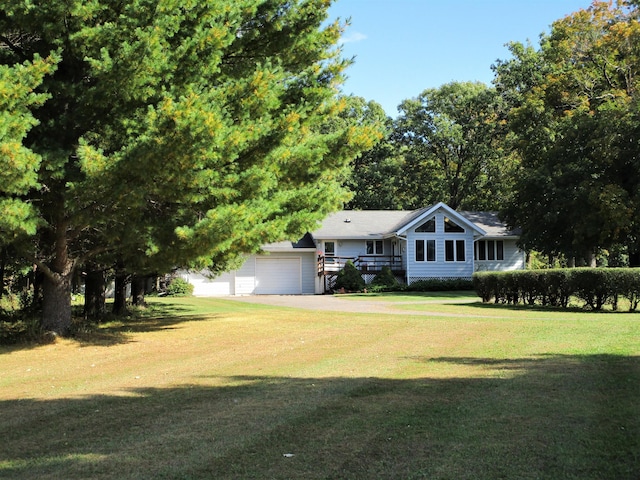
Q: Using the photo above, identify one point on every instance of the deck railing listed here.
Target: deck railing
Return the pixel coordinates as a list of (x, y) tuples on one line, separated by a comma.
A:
[(364, 263)]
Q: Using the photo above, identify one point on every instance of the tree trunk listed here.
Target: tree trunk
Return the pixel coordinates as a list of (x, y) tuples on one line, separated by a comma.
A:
[(56, 304), (56, 288), (138, 285), (94, 294), (37, 282), (120, 293), (3, 263)]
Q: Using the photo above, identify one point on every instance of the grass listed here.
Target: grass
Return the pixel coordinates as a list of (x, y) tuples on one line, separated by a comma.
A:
[(211, 388)]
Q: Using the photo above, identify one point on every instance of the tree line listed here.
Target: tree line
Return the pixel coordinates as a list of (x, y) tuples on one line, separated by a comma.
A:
[(553, 144)]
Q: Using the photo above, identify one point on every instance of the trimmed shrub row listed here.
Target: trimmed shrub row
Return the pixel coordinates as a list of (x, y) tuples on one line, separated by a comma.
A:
[(440, 285), (596, 287)]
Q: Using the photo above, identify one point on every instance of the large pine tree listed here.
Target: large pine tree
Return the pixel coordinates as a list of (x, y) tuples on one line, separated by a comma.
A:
[(177, 131)]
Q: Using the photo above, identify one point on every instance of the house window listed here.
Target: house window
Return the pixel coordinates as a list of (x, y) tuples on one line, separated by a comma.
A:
[(454, 250), (375, 247), (431, 250), (419, 250), (490, 250), (427, 227), (425, 250), (329, 248), (451, 227), (481, 247)]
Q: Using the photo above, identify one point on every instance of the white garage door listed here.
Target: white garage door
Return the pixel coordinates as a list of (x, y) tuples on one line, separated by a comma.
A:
[(278, 276)]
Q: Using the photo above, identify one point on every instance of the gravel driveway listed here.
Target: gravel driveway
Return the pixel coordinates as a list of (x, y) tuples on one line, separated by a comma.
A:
[(335, 303)]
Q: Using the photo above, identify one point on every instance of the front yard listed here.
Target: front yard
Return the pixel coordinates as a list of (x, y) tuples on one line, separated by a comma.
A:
[(210, 388)]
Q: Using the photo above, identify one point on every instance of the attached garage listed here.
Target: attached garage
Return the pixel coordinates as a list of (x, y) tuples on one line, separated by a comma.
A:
[(283, 269)]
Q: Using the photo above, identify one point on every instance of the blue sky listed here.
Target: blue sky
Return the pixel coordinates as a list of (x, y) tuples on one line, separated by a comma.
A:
[(403, 47)]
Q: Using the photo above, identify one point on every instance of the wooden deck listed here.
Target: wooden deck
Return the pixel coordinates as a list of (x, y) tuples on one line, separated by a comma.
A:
[(364, 263), (367, 265)]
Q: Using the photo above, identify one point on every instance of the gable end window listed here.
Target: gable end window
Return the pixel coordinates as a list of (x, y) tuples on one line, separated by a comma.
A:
[(451, 227), (427, 227), (375, 247)]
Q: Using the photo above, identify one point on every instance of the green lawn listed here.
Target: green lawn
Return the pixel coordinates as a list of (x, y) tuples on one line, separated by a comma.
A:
[(212, 388)]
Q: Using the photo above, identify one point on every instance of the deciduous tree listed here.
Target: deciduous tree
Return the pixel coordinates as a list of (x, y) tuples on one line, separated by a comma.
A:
[(577, 124), (453, 144)]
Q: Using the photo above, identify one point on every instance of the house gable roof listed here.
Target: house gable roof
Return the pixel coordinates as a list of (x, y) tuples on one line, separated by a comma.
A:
[(377, 224), (426, 213)]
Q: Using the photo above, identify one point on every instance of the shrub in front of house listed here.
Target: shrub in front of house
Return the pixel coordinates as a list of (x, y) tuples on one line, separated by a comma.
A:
[(384, 281), (349, 279), (595, 287), (179, 287)]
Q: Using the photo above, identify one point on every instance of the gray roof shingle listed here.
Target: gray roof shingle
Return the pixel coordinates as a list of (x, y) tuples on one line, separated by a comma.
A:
[(360, 224), (363, 224), (490, 222)]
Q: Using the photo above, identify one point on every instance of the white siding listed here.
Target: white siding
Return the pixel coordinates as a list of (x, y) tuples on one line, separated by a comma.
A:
[(440, 268), (204, 286), (350, 248), (246, 277), (357, 248), (514, 258), (250, 278), (309, 272)]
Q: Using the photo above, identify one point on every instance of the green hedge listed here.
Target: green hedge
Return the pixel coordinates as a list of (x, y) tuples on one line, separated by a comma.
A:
[(596, 287), (440, 285)]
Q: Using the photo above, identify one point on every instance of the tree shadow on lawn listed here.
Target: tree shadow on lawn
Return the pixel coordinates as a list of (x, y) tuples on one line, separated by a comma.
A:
[(160, 316), (115, 330), (553, 416), (119, 332)]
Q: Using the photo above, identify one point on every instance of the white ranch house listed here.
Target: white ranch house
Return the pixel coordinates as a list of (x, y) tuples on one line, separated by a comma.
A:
[(433, 242)]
